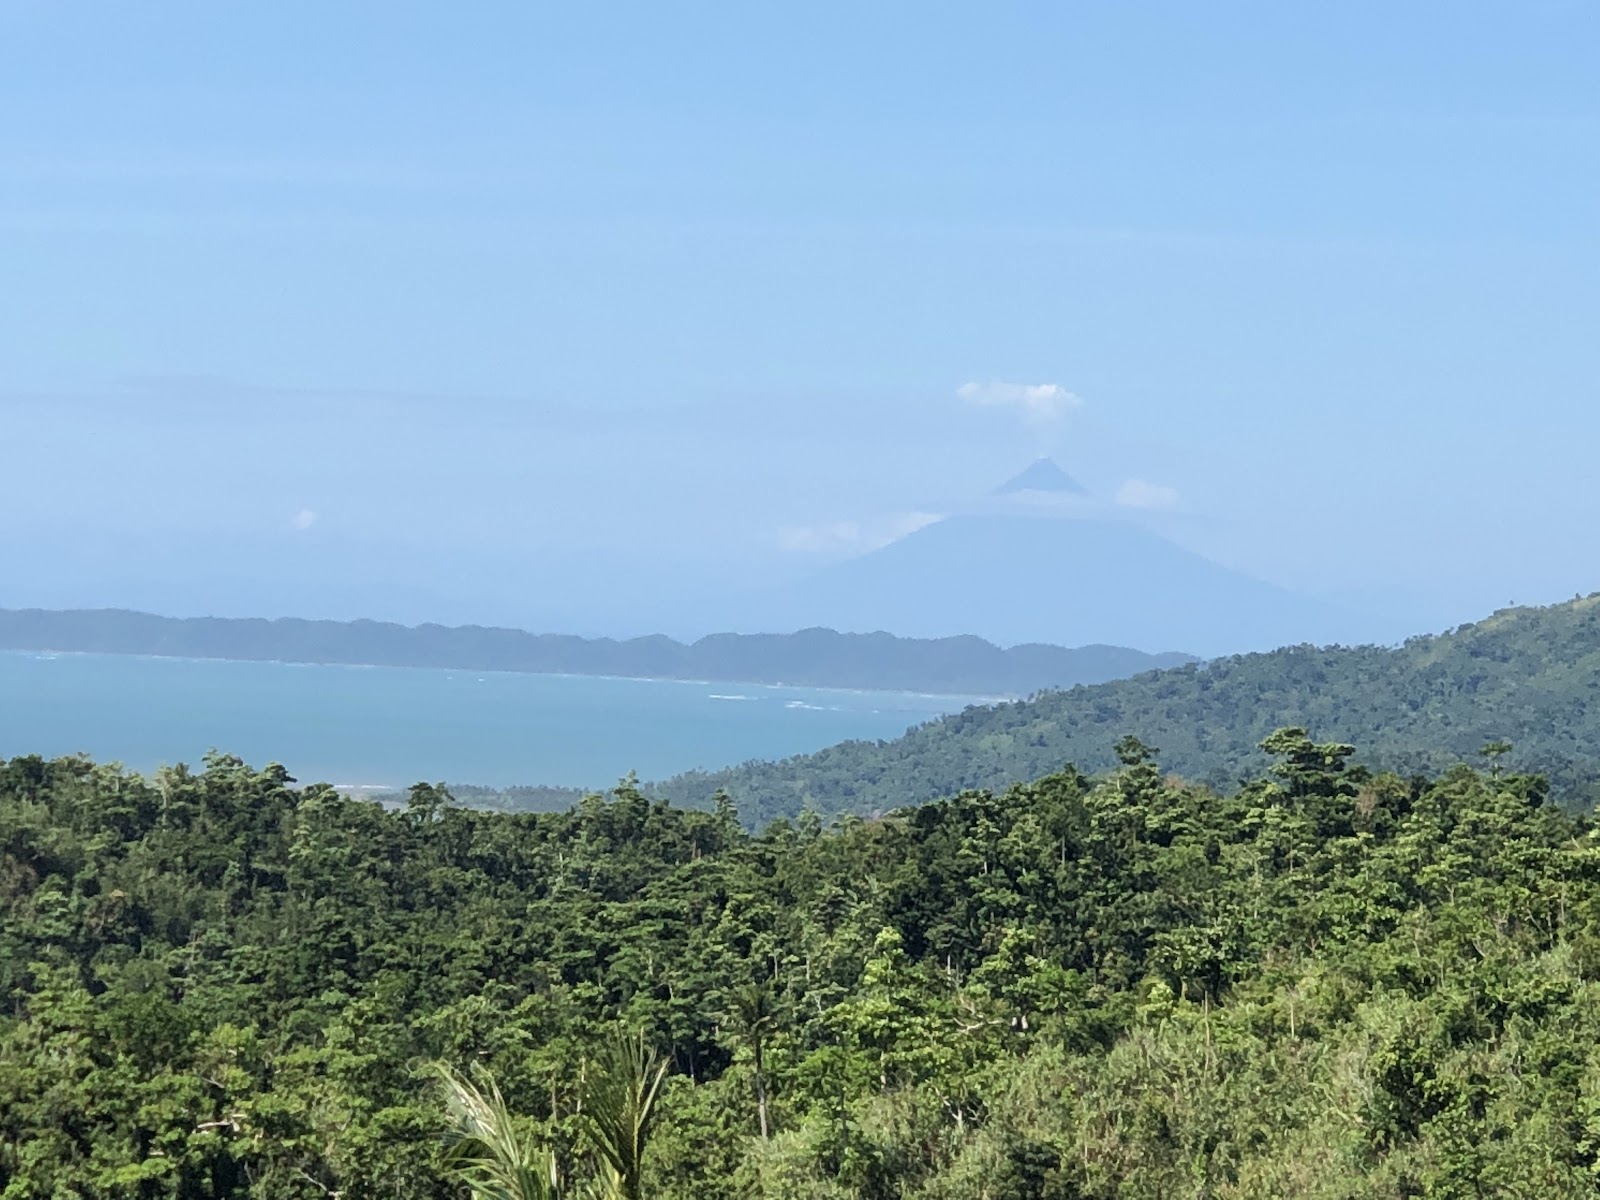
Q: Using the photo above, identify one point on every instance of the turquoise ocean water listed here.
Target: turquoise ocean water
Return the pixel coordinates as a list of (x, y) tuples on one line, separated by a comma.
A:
[(388, 727)]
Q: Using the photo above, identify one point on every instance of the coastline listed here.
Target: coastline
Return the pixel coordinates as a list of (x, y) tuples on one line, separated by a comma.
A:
[(973, 698)]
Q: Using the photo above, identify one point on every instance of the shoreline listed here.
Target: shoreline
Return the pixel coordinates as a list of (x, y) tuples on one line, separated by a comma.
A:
[(973, 698)]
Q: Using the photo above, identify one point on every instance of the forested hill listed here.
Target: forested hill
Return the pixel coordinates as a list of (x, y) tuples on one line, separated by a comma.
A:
[(1530, 676), (811, 657), (1326, 984)]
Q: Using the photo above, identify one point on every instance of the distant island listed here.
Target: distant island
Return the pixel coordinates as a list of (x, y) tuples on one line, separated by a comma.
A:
[(810, 658)]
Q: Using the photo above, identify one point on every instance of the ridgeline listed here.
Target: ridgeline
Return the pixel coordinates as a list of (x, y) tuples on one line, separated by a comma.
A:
[(1527, 676)]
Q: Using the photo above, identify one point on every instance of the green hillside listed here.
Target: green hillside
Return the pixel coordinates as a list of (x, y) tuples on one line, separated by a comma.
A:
[(1530, 676), (1324, 984)]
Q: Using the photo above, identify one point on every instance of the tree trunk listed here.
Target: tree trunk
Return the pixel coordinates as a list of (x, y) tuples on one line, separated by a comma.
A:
[(761, 1092)]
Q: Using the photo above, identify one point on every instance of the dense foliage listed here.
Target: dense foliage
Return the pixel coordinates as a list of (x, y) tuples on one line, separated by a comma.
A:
[(1326, 983), (1530, 675), (811, 657)]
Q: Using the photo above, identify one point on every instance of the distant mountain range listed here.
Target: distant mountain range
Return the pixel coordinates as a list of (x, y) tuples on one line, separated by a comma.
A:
[(1529, 676), (812, 657)]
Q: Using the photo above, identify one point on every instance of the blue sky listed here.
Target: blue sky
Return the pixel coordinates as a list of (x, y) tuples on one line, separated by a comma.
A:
[(717, 287)]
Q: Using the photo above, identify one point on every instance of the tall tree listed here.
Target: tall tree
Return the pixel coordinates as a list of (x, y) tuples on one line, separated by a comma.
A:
[(756, 1018)]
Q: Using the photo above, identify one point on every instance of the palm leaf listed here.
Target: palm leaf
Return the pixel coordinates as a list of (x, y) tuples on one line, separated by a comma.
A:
[(488, 1153), (619, 1106)]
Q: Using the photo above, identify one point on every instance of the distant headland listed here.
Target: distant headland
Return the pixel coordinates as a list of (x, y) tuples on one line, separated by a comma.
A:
[(810, 657)]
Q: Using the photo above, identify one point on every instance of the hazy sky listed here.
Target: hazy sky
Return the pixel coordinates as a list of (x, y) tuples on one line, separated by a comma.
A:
[(1313, 288)]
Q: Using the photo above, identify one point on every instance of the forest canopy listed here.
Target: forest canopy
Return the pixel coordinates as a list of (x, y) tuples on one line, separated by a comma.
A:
[(1325, 982), (1528, 676)]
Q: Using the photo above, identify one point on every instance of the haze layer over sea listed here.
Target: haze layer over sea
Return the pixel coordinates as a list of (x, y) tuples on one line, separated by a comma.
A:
[(384, 728)]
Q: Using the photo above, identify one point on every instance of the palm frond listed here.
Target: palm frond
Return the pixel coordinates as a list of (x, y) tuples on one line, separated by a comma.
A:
[(488, 1152), (619, 1104)]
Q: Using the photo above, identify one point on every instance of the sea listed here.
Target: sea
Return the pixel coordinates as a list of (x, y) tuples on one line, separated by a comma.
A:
[(380, 729)]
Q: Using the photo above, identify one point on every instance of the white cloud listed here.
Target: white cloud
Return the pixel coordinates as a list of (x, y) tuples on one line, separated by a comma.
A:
[(1039, 403), (853, 537), (304, 519), (1136, 493)]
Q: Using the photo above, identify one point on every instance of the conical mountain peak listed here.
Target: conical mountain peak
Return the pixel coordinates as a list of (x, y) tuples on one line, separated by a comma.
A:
[(1042, 475)]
